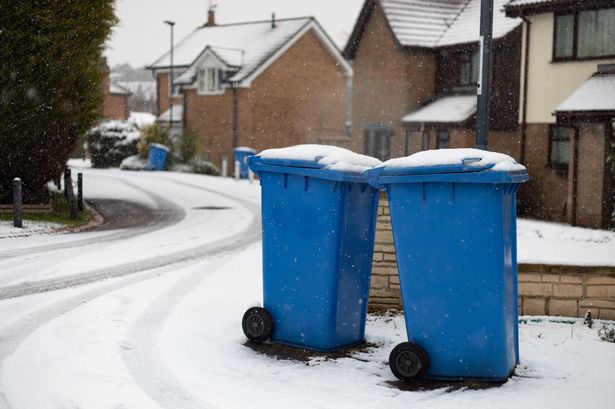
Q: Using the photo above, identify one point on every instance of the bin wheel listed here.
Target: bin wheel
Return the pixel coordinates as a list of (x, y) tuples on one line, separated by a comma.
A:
[(257, 324), (408, 361)]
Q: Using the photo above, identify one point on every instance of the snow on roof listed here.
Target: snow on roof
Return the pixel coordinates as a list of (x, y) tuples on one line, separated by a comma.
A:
[(451, 109), (437, 23), (245, 44), (595, 94), (333, 157), (178, 114), (118, 90), (515, 3), (141, 119), (466, 156)]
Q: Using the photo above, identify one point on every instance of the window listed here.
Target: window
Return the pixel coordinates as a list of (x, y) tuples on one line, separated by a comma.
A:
[(584, 34), (559, 146), (378, 141), (209, 80), (443, 139), (416, 141), (469, 69)]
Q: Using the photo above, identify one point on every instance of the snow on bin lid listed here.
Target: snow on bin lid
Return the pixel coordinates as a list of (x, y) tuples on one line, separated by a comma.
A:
[(319, 157), (159, 146), (244, 149), (451, 160)]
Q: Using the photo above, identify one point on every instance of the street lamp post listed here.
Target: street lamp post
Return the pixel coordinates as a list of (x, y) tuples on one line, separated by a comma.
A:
[(171, 25)]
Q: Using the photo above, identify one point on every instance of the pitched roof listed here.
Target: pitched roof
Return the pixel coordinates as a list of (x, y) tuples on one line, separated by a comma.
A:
[(449, 109), (245, 46), (432, 23), (178, 114), (595, 94), (116, 89)]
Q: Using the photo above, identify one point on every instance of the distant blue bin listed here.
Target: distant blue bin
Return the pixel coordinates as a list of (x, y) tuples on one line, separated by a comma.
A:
[(157, 156), (318, 239), (454, 229), (242, 154)]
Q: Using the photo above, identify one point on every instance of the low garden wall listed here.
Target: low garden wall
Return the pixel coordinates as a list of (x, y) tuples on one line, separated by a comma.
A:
[(543, 289)]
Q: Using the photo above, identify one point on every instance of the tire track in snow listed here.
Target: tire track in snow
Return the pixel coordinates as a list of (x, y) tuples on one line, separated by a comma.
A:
[(14, 334), (196, 253), (147, 359), (167, 214)]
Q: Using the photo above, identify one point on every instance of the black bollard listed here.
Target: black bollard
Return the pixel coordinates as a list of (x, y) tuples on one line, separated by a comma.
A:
[(67, 181), (80, 191), (17, 204)]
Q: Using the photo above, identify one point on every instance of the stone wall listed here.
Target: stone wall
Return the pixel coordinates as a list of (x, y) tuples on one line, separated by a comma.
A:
[(543, 289)]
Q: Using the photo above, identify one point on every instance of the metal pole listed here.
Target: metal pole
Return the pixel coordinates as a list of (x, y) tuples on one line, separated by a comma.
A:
[(172, 25), (237, 169), (224, 166), (17, 204), (80, 191), (483, 89)]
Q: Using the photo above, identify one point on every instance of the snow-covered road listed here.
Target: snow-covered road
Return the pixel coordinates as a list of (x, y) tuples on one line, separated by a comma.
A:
[(150, 318)]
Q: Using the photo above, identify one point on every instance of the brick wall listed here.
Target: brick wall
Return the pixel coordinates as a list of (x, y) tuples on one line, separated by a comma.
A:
[(543, 289), (115, 107), (388, 82)]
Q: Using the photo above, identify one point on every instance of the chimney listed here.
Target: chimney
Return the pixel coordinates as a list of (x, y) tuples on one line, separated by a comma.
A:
[(211, 14), (273, 23)]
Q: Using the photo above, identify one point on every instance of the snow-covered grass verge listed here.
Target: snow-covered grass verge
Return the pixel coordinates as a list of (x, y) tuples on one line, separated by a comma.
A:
[(29, 228), (541, 242)]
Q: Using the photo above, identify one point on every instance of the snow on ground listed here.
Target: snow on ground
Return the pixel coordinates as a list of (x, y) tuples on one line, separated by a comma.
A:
[(175, 341), (169, 335)]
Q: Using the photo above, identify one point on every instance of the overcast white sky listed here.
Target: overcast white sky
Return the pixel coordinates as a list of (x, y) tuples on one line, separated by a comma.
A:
[(141, 36)]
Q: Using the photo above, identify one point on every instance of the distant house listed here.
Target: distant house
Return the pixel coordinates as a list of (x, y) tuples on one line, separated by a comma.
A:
[(115, 102), (568, 107), (259, 84), (415, 73)]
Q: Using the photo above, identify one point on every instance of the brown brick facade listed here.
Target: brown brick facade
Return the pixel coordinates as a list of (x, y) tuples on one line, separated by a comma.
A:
[(388, 82), (114, 106)]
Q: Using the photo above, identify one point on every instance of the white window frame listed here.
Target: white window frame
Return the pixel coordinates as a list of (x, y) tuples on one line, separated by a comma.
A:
[(209, 80)]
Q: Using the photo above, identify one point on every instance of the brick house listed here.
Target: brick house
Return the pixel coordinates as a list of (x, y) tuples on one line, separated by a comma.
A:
[(568, 108), (115, 97), (416, 67), (259, 84)]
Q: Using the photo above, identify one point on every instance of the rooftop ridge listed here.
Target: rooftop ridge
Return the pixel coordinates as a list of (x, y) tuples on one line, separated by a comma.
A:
[(242, 23)]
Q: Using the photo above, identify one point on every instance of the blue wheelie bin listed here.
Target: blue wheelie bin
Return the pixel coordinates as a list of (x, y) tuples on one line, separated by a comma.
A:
[(318, 229), (157, 156), (241, 154), (454, 230)]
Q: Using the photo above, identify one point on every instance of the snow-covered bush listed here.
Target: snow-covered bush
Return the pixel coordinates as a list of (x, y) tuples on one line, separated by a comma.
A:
[(134, 162), (112, 141), (607, 333), (204, 167)]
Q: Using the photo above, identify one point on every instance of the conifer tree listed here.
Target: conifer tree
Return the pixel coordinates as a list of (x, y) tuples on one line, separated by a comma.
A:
[(50, 85)]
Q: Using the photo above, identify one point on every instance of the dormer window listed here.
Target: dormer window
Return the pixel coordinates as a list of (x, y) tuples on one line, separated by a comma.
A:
[(209, 80)]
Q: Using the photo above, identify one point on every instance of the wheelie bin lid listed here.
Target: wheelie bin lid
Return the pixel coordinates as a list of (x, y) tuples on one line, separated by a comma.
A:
[(322, 161), (449, 165)]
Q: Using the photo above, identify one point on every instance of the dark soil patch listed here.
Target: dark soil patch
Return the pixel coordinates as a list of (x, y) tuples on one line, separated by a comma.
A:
[(288, 353), (450, 386)]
